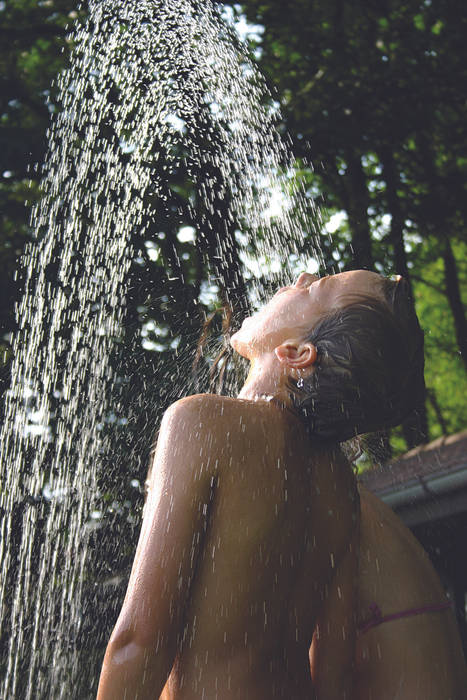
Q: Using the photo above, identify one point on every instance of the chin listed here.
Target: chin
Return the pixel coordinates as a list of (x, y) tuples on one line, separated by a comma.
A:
[(239, 343)]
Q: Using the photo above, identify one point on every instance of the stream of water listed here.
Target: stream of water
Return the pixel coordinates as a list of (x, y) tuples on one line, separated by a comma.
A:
[(146, 77)]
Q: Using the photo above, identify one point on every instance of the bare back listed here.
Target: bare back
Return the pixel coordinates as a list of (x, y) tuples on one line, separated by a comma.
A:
[(281, 516), (412, 658)]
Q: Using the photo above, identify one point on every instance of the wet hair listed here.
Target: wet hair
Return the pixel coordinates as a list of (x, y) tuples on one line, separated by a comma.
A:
[(368, 375)]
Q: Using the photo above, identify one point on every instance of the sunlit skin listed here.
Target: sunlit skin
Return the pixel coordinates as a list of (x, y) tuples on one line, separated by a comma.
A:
[(246, 522), (293, 310), (272, 339)]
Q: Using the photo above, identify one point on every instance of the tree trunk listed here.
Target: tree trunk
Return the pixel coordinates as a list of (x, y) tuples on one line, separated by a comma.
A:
[(415, 427), (357, 211), (451, 279), (431, 395), (439, 221), (391, 178)]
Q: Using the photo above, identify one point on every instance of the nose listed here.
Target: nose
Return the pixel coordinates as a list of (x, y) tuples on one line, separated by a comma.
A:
[(305, 279)]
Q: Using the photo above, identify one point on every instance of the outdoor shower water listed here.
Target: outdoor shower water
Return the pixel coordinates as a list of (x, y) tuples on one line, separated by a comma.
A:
[(147, 77)]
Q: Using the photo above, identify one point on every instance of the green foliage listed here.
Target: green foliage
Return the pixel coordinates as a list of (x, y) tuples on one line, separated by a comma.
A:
[(445, 374)]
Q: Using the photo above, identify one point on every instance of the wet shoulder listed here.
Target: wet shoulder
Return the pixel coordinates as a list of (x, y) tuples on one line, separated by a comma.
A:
[(210, 406), (376, 512), (380, 525), (230, 421), (204, 413), (389, 545)]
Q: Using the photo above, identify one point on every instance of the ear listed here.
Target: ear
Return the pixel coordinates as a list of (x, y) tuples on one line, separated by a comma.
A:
[(296, 355)]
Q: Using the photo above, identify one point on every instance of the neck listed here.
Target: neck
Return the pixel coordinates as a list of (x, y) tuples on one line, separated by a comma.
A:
[(266, 381)]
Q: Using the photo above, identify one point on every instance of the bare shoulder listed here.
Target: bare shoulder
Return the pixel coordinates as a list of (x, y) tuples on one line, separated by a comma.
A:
[(211, 413), (373, 505), (192, 418), (376, 513), (236, 430), (381, 522), (207, 424), (190, 438), (200, 404)]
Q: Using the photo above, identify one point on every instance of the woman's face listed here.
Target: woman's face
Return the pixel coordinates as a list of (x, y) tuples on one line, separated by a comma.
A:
[(294, 310)]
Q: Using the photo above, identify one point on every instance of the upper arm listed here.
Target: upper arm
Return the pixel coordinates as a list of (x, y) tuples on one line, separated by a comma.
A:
[(174, 521)]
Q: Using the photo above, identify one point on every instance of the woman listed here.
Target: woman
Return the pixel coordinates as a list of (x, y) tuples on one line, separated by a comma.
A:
[(252, 508)]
